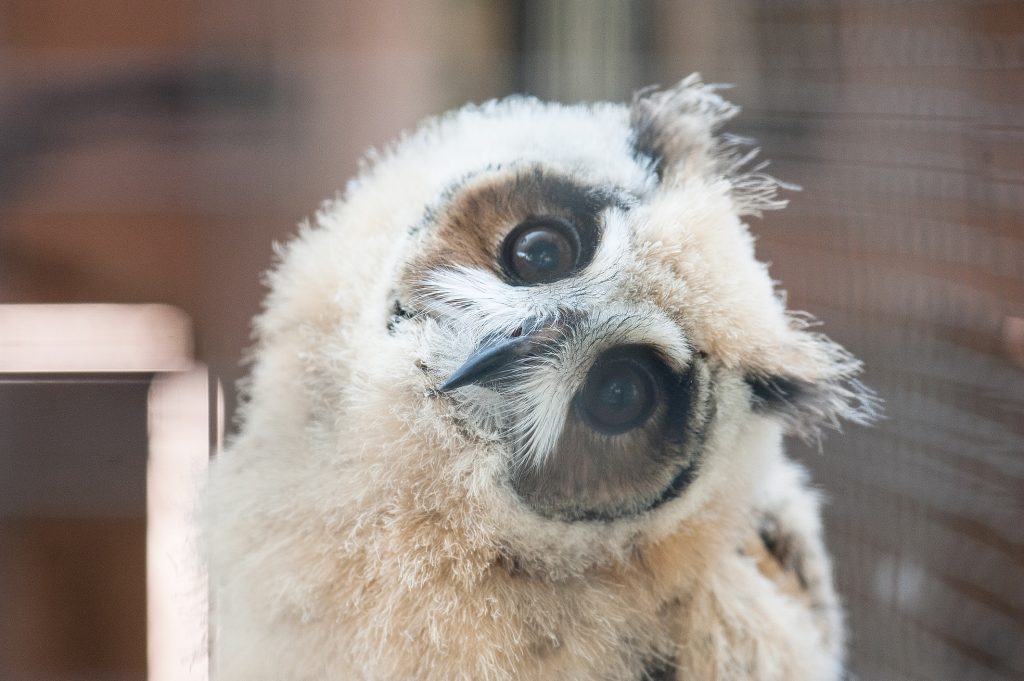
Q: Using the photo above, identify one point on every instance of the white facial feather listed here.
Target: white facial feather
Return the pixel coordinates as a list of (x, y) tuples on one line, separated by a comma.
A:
[(472, 305)]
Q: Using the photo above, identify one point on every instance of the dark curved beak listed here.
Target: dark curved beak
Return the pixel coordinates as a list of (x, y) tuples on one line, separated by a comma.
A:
[(491, 359)]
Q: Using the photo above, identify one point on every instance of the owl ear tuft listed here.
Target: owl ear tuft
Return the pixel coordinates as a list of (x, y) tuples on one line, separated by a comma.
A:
[(676, 126), (808, 404), (676, 132)]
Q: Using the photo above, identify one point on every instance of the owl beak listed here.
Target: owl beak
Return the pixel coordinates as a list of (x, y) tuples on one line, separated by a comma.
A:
[(491, 359)]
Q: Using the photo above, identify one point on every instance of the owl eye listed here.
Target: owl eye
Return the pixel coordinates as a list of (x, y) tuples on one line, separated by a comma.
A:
[(620, 393), (541, 250)]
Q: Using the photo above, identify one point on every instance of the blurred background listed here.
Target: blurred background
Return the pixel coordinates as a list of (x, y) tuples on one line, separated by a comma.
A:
[(151, 151)]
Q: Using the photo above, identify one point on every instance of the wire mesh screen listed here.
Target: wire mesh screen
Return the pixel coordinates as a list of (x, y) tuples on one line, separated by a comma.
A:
[(902, 122)]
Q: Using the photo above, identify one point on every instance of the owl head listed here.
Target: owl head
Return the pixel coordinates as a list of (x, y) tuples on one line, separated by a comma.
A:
[(539, 327)]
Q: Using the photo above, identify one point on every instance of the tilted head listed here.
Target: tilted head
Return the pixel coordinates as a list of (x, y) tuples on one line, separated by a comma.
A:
[(542, 327)]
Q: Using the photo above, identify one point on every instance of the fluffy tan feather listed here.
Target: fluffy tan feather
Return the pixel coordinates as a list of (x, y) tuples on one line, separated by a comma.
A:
[(364, 524)]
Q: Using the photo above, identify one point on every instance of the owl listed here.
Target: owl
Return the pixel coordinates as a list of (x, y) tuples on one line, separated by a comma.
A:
[(516, 411)]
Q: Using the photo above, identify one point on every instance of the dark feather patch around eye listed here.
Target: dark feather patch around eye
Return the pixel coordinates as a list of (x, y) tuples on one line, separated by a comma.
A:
[(593, 476)]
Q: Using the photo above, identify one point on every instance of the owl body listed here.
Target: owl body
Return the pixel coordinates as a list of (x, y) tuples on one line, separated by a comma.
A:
[(516, 412)]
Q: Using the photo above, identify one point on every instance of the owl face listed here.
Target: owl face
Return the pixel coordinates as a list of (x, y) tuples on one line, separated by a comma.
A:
[(584, 302), (534, 289)]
